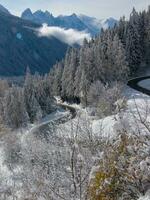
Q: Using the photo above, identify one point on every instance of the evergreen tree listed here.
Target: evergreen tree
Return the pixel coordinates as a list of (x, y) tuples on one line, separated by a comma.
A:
[(74, 62), (78, 74), (133, 45), (122, 30), (147, 36), (58, 70), (14, 108), (119, 64), (32, 105), (65, 74)]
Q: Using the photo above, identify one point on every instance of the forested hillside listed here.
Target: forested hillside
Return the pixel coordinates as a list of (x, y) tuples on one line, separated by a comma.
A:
[(20, 47), (112, 56), (20, 106)]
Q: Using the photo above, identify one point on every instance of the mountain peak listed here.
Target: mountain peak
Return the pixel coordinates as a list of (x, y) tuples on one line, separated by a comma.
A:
[(73, 15), (4, 10), (111, 19), (39, 16), (28, 11), (110, 23), (27, 14), (48, 13), (38, 12)]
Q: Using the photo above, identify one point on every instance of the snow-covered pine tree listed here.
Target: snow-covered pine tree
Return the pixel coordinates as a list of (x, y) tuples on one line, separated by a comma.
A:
[(120, 68), (147, 36), (74, 62), (121, 30), (133, 45), (58, 70), (32, 106), (65, 74), (14, 108)]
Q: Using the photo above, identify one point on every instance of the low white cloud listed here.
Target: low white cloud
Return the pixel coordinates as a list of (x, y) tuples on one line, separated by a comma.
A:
[(69, 36)]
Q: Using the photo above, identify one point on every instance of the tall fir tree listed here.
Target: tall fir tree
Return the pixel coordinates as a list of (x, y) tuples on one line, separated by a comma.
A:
[(133, 42)]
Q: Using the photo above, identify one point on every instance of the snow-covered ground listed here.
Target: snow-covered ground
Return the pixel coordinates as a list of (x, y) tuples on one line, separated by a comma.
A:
[(145, 197), (138, 106), (24, 133)]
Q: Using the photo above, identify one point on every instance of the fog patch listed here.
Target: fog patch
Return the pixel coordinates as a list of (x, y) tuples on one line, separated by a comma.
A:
[(69, 36)]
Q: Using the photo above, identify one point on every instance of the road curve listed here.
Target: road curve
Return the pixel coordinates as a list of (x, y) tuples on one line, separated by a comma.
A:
[(70, 108), (44, 128), (133, 83)]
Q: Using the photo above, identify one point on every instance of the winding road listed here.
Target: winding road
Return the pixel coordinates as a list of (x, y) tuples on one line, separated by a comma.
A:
[(135, 84), (43, 129)]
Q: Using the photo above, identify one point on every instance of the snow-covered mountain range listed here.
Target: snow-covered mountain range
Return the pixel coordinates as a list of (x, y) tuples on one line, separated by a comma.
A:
[(78, 22)]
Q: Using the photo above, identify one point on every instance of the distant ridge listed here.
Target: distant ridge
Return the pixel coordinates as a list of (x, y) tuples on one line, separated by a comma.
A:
[(78, 22)]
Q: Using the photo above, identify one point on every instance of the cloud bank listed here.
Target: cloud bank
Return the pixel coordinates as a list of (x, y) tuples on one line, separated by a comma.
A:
[(69, 36)]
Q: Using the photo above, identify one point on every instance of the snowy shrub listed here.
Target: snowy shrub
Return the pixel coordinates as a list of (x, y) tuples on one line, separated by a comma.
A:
[(123, 172), (106, 100), (3, 87), (3, 128), (12, 149)]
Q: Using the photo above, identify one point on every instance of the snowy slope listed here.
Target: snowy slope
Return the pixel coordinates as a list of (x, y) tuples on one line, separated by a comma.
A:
[(108, 127), (96, 25), (23, 135), (137, 106), (91, 22)]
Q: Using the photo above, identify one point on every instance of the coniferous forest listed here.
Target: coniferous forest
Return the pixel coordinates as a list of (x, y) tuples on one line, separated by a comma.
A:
[(115, 55)]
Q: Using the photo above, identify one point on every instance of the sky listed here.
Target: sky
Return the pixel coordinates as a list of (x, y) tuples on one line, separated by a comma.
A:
[(101, 9)]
